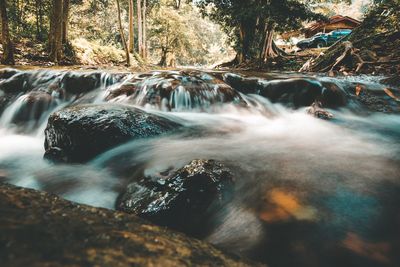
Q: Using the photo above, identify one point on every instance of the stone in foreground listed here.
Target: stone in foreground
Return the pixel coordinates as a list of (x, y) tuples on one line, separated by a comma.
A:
[(39, 229), (183, 199)]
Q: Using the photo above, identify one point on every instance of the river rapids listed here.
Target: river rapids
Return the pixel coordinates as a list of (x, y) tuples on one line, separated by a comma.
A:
[(308, 191)]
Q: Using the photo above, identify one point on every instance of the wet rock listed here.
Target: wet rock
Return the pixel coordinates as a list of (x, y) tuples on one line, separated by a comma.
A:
[(301, 92), (33, 106), (385, 100), (14, 83), (333, 96), (77, 83), (5, 99), (82, 132), (39, 229), (7, 73), (394, 80), (241, 84), (175, 90), (317, 111), (182, 199), (296, 92)]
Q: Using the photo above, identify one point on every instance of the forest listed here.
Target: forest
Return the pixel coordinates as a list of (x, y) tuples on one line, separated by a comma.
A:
[(158, 32), (200, 133)]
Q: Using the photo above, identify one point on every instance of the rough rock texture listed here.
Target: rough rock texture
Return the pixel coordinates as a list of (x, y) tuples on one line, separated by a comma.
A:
[(182, 199), (76, 83), (79, 133), (242, 84), (33, 106), (39, 229), (296, 92), (318, 112), (13, 82), (302, 92), (181, 90), (385, 101)]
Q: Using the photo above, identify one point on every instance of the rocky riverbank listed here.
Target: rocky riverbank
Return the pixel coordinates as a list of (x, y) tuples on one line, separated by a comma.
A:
[(40, 229)]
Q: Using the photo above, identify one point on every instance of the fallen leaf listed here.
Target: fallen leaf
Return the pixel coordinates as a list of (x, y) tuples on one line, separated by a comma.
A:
[(358, 89), (389, 93)]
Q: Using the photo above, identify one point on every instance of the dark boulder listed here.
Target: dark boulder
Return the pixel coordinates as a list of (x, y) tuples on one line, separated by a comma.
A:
[(7, 73), (77, 83), (175, 90), (299, 92), (14, 83), (333, 96), (242, 84), (296, 92), (33, 106), (80, 133), (182, 199)]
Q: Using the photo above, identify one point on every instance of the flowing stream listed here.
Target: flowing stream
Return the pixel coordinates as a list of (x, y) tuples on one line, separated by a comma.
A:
[(308, 192)]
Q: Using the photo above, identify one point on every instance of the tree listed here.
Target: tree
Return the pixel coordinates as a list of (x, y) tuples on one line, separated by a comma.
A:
[(252, 23), (39, 19), (182, 37), (56, 26), (65, 21), (144, 31), (8, 49), (128, 63), (131, 45), (140, 27)]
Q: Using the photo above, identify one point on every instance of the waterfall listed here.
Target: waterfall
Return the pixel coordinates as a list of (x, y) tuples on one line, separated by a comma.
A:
[(301, 182)]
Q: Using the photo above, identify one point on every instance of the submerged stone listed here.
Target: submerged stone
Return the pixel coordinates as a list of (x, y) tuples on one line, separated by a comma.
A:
[(317, 111), (32, 106), (174, 90)]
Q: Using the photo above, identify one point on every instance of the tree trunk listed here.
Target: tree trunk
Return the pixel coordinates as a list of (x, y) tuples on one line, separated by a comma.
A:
[(8, 49), (39, 19), (144, 52), (242, 55), (131, 27), (128, 61), (56, 23), (65, 21), (140, 25), (163, 60), (269, 49), (177, 4)]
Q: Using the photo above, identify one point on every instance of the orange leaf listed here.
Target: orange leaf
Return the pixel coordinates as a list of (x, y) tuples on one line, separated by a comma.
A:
[(358, 89), (389, 93)]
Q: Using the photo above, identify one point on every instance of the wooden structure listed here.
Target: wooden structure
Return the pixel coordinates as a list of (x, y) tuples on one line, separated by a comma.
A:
[(334, 23)]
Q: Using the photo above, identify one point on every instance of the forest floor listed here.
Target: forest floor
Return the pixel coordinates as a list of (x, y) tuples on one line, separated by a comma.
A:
[(79, 54), (83, 55)]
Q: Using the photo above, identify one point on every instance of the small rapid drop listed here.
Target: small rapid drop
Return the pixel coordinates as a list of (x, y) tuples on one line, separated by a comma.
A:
[(306, 189)]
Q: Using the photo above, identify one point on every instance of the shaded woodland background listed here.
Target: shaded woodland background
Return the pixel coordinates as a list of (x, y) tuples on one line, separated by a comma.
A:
[(157, 32)]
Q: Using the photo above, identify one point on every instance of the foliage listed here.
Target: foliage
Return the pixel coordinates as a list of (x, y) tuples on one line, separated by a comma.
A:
[(93, 26), (182, 36), (245, 21)]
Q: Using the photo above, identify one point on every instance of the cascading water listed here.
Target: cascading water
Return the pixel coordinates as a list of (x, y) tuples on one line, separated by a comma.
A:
[(308, 192)]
